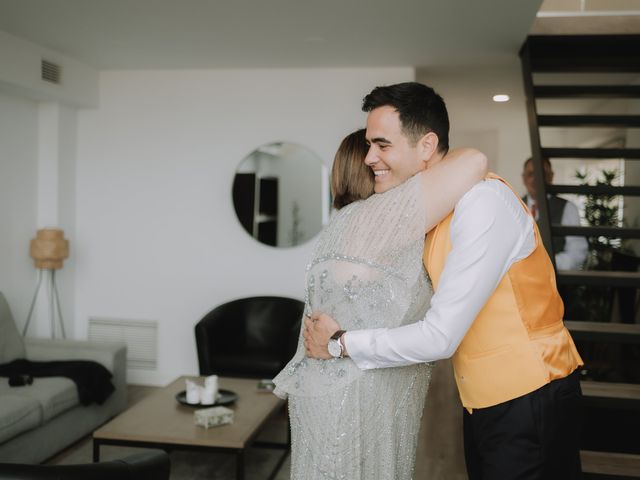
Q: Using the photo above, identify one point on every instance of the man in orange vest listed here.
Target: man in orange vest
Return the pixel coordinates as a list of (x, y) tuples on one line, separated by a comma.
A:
[(496, 309)]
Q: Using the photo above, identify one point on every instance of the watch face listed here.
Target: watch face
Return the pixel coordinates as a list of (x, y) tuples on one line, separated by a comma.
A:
[(334, 347)]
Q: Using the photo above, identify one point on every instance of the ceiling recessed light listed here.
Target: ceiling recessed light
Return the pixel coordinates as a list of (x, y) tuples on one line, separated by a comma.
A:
[(501, 98)]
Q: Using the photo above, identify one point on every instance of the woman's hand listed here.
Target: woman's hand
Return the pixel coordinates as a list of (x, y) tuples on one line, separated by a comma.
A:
[(318, 329)]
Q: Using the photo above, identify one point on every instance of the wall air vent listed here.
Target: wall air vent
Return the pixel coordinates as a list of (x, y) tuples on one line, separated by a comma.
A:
[(51, 72), (141, 337)]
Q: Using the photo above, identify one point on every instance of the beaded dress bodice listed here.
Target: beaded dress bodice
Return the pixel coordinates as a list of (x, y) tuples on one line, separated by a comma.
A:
[(366, 272)]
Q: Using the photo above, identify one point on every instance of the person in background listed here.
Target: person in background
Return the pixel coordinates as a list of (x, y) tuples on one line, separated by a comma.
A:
[(570, 252)]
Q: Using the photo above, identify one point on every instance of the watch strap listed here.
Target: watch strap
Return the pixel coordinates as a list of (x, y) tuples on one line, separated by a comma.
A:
[(338, 334)]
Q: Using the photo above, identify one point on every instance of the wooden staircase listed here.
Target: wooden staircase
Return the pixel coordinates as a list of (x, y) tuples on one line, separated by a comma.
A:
[(574, 57)]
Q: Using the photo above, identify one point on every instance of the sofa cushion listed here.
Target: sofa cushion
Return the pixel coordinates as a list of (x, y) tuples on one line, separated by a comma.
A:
[(54, 395), (11, 344), (17, 415)]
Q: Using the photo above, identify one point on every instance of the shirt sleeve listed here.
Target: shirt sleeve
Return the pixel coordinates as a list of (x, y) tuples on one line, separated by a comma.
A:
[(575, 248), (489, 231)]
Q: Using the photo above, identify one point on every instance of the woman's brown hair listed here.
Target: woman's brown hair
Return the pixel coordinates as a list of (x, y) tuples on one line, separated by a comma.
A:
[(351, 179)]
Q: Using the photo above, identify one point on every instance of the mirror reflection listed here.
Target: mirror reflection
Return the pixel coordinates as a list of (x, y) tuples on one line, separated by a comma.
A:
[(281, 194)]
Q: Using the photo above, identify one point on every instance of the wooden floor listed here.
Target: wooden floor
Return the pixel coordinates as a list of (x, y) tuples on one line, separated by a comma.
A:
[(135, 393), (189, 465), (439, 455)]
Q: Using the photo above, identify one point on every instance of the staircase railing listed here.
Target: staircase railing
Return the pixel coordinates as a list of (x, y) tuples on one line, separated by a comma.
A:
[(574, 56)]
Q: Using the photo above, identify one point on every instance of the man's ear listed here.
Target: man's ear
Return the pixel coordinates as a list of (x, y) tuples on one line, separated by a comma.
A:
[(428, 145)]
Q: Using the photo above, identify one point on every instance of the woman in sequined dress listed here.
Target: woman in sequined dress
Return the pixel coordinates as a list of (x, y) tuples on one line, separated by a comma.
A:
[(366, 271)]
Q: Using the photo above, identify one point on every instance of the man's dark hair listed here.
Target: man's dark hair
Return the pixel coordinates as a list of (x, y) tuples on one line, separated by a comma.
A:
[(545, 161), (420, 108)]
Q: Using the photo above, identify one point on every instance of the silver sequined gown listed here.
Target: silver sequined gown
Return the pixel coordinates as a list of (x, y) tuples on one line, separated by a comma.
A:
[(366, 272)]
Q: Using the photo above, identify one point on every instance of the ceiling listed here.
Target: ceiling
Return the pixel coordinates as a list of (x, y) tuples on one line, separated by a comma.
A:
[(172, 34)]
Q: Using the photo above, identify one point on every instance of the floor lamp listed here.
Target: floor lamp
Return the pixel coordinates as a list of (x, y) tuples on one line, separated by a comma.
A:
[(49, 250)]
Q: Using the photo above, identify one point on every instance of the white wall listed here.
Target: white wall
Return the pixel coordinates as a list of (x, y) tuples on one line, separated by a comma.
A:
[(18, 201), (37, 168), (499, 129), (157, 237), (37, 189), (21, 73), (65, 194)]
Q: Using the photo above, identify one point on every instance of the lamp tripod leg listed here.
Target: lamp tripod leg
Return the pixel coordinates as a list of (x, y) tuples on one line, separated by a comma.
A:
[(57, 302), (33, 303), (52, 317)]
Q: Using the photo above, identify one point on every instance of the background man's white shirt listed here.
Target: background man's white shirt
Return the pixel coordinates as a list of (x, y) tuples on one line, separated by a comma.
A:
[(575, 248)]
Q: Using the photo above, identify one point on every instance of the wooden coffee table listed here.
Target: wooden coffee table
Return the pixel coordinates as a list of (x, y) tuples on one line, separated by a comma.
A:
[(159, 421)]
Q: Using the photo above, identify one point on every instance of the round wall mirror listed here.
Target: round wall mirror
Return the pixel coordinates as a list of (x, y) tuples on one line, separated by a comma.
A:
[(281, 194)]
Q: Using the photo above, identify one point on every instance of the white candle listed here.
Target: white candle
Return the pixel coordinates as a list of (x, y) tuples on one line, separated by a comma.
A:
[(211, 382), (208, 396), (193, 392)]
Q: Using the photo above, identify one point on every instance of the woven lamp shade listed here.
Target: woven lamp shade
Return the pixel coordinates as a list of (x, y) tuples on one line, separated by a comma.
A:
[(49, 248)]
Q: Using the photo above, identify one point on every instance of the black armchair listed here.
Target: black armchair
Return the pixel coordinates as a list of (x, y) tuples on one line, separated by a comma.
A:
[(152, 465), (251, 337)]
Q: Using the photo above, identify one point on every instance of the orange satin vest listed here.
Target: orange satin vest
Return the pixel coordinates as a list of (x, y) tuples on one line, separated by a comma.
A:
[(518, 342)]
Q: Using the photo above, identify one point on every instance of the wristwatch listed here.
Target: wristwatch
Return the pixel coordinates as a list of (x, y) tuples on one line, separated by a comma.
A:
[(334, 346)]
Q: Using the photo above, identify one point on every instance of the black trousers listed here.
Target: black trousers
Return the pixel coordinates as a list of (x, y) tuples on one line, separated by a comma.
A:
[(533, 437)]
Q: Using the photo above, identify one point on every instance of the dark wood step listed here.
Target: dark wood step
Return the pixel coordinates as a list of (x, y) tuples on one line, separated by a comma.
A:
[(598, 278), (610, 463), (611, 395), (587, 91), (594, 190), (628, 121), (604, 331), (612, 232), (626, 153), (583, 53)]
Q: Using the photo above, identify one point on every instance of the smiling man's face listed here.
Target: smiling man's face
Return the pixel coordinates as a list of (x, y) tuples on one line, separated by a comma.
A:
[(391, 156)]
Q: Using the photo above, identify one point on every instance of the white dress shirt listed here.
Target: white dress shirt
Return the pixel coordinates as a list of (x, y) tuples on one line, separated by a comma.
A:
[(575, 248), (489, 232)]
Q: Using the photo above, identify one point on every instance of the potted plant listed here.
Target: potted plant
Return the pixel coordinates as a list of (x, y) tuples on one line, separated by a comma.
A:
[(600, 210), (605, 361)]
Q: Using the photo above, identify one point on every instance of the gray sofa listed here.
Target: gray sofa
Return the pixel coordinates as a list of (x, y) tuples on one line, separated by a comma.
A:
[(39, 420)]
